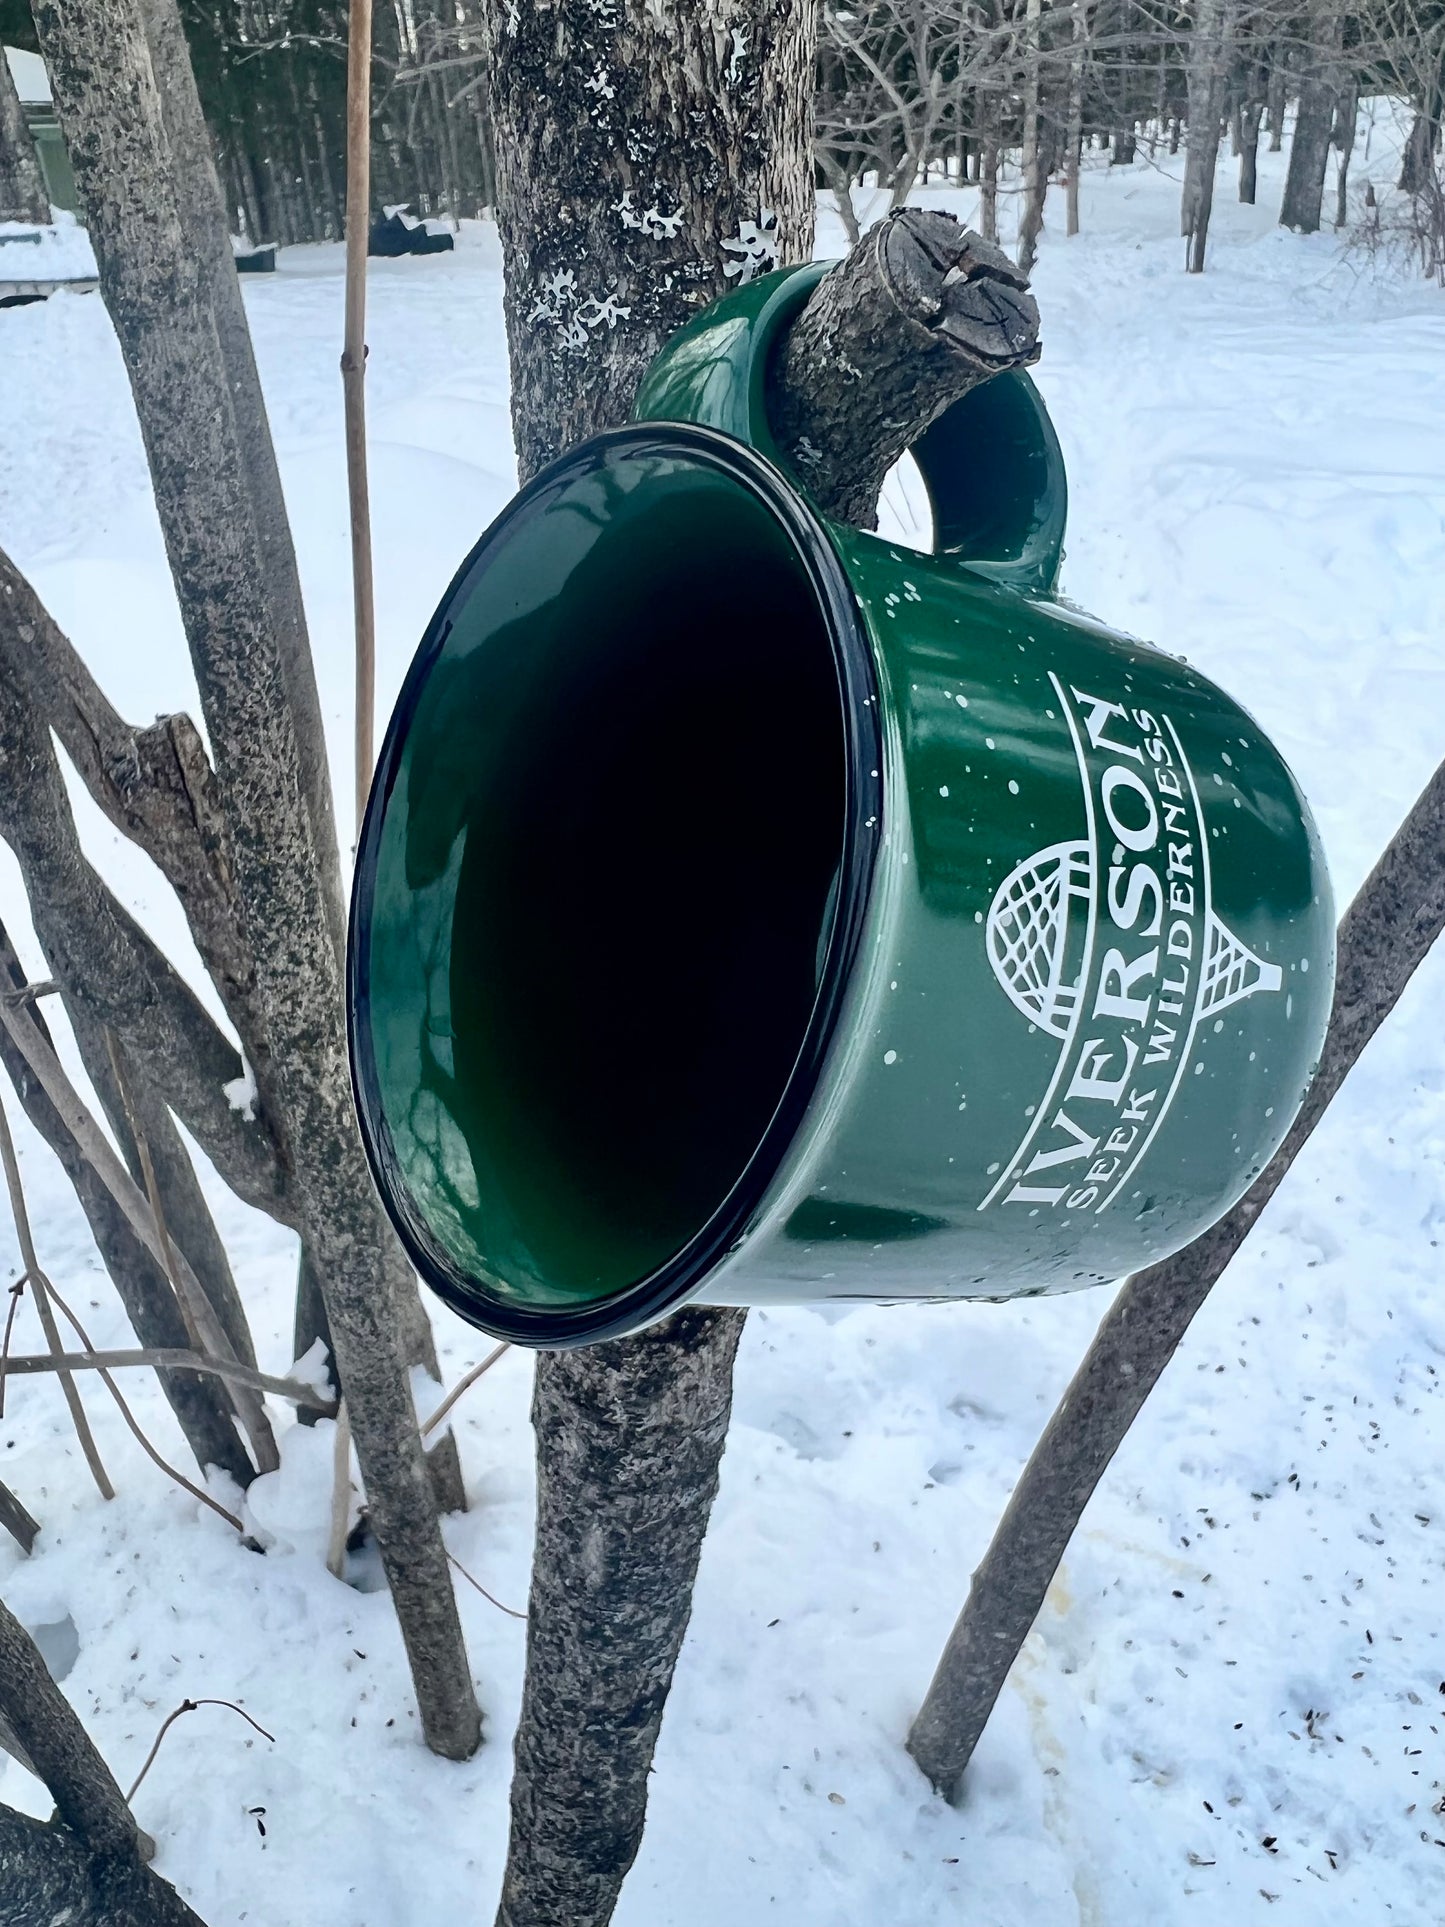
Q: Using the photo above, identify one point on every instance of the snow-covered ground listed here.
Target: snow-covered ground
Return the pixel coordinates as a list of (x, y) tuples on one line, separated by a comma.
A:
[(1231, 1710)]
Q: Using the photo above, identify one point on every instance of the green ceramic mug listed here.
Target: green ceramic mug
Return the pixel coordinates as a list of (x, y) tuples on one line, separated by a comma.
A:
[(750, 910)]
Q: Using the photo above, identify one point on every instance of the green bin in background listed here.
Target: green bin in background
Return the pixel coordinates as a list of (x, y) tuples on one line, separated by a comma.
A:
[(750, 910)]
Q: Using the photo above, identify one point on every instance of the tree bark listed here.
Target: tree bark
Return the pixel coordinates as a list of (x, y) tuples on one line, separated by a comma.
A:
[(1074, 134), (1277, 94), (1031, 218), (988, 183), (1385, 934), (47, 1876), (203, 207), (1418, 161), (1309, 151), (920, 312), (1250, 117), (648, 160), (1347, 109), (629, 1439), (17, 1521), (84, 1868), (60, 1752), (168, 292), (22, 186), (1207, 65), (108, 967)]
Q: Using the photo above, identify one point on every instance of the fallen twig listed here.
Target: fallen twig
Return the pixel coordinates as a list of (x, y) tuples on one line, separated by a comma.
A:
[(510, 1611), (188, 1706), (463, 1384)]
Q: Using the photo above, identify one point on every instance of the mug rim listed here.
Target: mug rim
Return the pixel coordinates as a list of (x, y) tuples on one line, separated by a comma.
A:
[(674, 1282)]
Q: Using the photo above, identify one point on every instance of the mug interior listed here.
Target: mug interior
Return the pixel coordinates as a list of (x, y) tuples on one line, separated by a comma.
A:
[(599, 887)]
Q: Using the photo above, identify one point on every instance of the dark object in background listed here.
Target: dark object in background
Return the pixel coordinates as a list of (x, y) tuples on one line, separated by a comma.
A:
[(257, 260), (396, 233)]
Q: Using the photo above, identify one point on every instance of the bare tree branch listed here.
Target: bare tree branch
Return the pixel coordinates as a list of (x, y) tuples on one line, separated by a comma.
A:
[(86, 1867), (1384, 936), (37, 1281), (176, 1358), (36, 1050), (16, 1520), (202, 1406), (134, 1426), (155, 784), (921, 311), (105, 961)]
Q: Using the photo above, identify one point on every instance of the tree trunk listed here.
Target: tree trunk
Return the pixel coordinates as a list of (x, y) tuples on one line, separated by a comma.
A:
[(1036, 180), (155, 223), (1418, 162), (1343, 140), (85, 1868), (1207, 66), (1074, 134), (629, 1434), (988, 185), (1278, 84), (22, 186), (648, 160), (1384, 936), (48, 1877), (1249, 151), (1309, 152)]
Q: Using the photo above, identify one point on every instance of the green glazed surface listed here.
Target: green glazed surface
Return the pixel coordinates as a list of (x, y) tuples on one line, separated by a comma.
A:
[(1010, 937)]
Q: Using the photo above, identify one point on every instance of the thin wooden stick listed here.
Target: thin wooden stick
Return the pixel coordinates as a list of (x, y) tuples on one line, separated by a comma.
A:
[(463, 1384), (175, 1358), (196, 1491), (353, 380), (189, 1706), (340, 1495), (249, 1408), (42, 1305), (152, 1191), (35, 1048), (510, 1611)]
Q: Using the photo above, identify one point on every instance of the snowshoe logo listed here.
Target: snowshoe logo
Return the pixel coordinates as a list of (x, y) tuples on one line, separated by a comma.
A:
[(1124, 984)]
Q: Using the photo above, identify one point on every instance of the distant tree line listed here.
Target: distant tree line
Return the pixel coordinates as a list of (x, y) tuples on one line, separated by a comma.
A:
[(993, 92), (272, 78)]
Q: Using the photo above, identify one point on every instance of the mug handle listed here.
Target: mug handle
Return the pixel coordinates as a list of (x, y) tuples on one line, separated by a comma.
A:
[(991, 463)]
